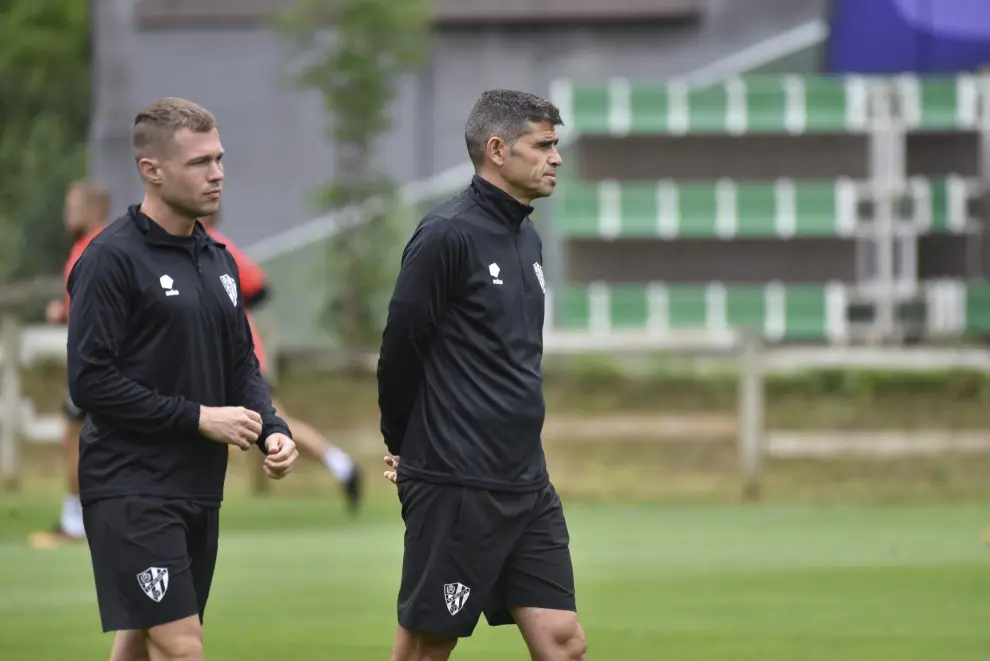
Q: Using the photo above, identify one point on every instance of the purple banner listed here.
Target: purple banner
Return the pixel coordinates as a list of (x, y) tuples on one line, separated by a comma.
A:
[(894, 36)]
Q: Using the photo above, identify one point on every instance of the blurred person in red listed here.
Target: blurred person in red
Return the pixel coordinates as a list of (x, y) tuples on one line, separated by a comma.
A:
[(254, 284), (87, 205)]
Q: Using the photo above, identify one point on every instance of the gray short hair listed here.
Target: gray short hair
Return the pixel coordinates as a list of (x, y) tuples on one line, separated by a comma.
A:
[(505, 114)]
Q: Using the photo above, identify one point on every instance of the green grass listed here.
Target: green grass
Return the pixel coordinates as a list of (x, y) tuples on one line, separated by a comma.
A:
[(298, 581)]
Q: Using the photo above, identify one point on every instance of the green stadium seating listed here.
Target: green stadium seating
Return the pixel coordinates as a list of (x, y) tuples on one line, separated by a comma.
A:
[(795, 312), (779, 104), (751, 104), (726, 209)]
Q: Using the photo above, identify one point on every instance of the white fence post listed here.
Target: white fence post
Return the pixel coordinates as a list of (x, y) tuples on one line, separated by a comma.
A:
[(751, 403), (10, 400)]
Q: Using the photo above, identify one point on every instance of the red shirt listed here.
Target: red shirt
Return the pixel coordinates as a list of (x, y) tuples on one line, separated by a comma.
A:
[(74, 254), (253, 280)]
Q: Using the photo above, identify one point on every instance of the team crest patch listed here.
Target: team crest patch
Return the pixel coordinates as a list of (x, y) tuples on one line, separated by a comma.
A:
[(539, 276), (231, 287), (154, 582), (456, 595)]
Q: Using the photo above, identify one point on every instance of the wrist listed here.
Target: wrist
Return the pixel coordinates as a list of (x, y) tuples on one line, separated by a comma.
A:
[(190, 417)]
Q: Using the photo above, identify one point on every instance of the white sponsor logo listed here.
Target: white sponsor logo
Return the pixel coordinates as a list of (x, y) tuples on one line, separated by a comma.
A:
[(166, 283)]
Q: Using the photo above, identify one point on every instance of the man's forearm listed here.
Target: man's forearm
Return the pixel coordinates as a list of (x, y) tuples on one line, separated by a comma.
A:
[(108, 394)]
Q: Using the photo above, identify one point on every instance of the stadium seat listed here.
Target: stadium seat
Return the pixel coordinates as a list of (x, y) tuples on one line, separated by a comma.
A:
[(836, 104), (687, 306), (806, 312), (590, 109), (978, 307), (940, 205), (937, 102), (629, 307), (651, 111)]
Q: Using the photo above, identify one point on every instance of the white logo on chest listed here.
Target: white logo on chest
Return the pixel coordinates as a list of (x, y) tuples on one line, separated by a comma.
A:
[(494, 270), (166, 283), (231, 287)]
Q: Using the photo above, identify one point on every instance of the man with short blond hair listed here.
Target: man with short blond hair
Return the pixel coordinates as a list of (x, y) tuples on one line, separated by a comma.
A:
[(161, 359)]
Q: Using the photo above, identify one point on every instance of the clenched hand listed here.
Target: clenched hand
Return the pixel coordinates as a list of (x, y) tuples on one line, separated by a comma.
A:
[(233, 425), (282, 454)]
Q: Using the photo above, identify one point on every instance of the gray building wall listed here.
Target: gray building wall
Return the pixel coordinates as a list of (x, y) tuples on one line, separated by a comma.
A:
[(275, 134)]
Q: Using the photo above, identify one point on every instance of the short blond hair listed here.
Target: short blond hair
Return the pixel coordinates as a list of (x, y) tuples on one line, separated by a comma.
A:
[(97, 196), (157, 124)]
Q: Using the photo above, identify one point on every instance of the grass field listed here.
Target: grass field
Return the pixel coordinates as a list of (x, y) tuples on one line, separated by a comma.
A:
[(296, 580), (846, 560)]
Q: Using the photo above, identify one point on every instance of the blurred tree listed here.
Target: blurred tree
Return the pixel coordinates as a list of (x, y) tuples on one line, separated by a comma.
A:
[(353, 52), (44, 117)]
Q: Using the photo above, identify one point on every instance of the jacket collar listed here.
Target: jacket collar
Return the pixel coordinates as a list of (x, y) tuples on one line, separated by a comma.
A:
[(505, 208), (155, 235)]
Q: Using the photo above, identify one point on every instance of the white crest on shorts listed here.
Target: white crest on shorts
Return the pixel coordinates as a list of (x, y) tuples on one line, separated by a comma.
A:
[(456, 595), (154, 582), (539, 276), (231, 287)]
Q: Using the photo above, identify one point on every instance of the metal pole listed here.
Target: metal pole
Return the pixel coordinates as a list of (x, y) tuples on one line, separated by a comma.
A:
[(10, 401), (751, 413), (882, 140)]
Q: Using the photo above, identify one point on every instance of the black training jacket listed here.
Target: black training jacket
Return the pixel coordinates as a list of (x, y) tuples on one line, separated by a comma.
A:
[(157, 328), (459, 374)]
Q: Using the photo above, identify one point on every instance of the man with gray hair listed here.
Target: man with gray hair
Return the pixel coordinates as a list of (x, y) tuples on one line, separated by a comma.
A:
[(461, 399)]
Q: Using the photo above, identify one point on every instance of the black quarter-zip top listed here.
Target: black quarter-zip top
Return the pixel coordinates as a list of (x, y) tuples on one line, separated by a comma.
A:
[(459, 374), (157, 329)]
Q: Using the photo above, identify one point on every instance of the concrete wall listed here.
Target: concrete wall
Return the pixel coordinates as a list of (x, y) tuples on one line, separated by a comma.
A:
[(274, 133)]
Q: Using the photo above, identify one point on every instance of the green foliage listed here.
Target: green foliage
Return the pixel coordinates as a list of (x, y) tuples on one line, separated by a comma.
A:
[(353, 52), (664, 384), (44, 116)]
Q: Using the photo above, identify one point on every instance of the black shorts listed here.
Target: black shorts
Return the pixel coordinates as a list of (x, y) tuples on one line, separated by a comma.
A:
[(153, 559), (469, 551), (73, 411)]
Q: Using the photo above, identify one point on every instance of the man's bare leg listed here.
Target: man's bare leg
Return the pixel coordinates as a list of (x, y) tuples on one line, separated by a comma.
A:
[(420, 646), (71, 519), (181, 640), (129, 645), (311, 442), (551, 635)]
